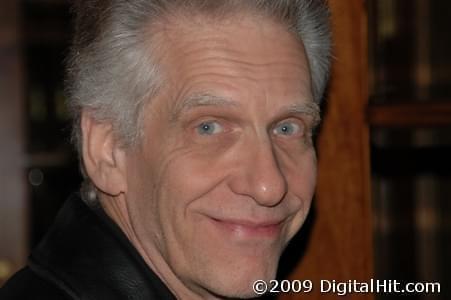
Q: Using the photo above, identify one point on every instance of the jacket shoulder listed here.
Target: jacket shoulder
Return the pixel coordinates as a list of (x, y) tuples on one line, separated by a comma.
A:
[(26, 284)]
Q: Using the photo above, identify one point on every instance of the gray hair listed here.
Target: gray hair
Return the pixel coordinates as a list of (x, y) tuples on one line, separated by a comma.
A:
[(111, 72)]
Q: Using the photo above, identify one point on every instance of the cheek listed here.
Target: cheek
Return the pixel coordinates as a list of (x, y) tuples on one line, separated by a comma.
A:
[(193, 170), (183, 178), (301, 174), (187, 179), (142, 187), (161, 189), (301, 177)]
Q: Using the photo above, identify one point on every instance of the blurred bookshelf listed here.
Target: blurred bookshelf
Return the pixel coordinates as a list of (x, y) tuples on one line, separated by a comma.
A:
[(51, 164), (409, 50), (409, 115)]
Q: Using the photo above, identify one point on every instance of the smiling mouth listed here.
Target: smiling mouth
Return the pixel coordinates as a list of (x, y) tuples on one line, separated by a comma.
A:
[(250, 229)]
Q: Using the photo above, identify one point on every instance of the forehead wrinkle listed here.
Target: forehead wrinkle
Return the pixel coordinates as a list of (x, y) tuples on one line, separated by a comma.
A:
[(220, 45), (198, 100), (228, 56), (232, 64)]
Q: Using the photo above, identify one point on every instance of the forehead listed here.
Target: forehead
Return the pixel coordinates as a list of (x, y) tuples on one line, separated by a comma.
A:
[(235, 54), (257, 39)]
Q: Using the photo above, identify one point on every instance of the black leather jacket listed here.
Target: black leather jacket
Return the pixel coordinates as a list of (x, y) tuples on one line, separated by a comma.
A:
[(85, 256)]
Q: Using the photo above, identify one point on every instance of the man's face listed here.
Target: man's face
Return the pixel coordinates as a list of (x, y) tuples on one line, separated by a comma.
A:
[(226, 172)]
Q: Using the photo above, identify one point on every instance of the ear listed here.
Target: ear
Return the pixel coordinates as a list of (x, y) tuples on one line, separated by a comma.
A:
[(104, 159)]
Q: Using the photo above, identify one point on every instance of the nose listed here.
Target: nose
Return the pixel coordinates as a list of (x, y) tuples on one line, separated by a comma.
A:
[(259, 175)]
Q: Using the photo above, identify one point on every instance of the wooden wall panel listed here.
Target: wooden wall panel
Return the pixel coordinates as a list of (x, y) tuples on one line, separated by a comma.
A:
[(12, 179), (340, 244)]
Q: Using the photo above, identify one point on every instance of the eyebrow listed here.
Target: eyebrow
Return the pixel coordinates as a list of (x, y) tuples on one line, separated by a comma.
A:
[(197, 100), (311, 108), (206, 99)]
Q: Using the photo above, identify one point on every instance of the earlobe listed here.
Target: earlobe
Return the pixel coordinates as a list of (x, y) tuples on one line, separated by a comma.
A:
[(103, 158)]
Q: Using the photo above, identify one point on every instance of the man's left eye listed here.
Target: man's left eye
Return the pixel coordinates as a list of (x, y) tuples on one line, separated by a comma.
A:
[(288, 129), (209, 128)]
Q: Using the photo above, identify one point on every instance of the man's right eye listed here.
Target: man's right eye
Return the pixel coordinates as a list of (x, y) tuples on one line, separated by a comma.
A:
[(209, 128)]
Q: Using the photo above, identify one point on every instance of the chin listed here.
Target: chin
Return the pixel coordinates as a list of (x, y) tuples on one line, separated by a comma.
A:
[(236, 281), (241, 290)]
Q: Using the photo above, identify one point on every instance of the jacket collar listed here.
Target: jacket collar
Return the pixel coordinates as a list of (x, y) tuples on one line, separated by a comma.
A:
[(86, 254)]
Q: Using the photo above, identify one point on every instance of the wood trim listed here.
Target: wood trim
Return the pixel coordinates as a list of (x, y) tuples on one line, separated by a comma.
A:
[(422, 114), (340, 243)]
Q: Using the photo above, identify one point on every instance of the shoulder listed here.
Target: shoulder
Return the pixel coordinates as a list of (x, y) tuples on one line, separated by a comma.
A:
[(26, 284)]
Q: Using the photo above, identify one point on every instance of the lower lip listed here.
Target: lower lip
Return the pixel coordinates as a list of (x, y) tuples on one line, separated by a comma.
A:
[(250, 231)]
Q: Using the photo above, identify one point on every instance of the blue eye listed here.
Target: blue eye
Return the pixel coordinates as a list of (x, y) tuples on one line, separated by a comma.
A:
[(209, 128), (287, 128)]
